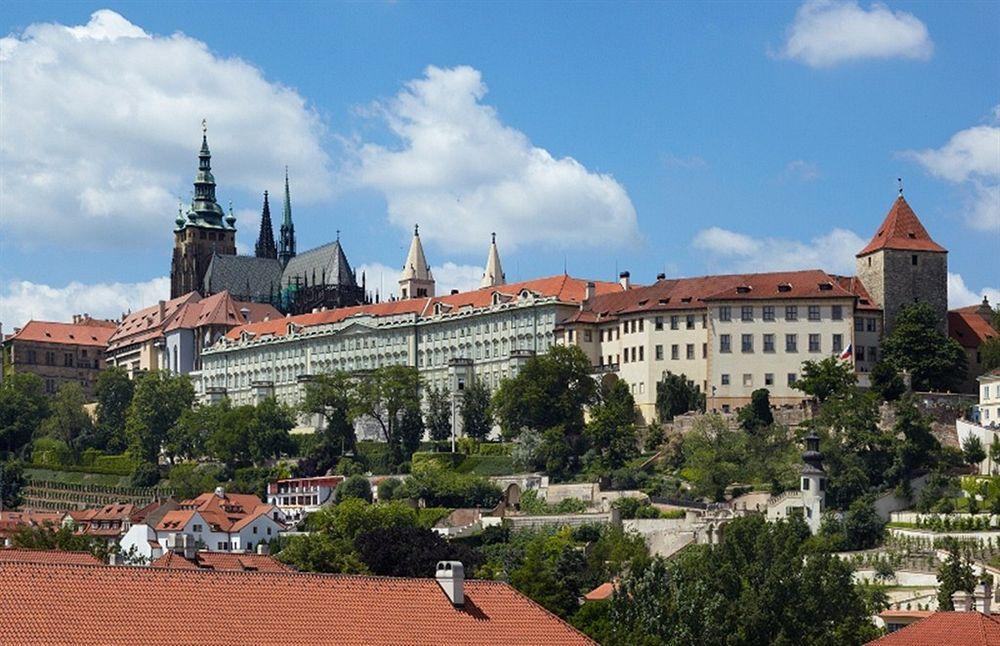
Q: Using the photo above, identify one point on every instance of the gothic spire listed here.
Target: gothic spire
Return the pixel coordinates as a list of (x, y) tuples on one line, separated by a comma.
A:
[(493, 276), (287, 228), (204, 207), (265, 247)]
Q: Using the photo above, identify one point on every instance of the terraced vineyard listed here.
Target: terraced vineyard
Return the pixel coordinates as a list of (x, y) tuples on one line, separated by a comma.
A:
[(59, 495)]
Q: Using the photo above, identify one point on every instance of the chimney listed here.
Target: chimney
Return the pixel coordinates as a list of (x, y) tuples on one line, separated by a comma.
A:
[(623, 280), (162, 305), (114, 559), (8, 543), (263, 549), (220, 492), (962, 600), (184, 546), (984, 310), (454, 291), (245, 313), (451, 577), (588, 291), (984, 597), (661, 276)]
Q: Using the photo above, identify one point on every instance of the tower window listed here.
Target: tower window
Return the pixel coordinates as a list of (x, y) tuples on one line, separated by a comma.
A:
[(869, 261), (913, 259)]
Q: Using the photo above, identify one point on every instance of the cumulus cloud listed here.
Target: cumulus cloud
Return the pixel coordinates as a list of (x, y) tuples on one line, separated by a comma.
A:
[(23, 300), (971, 161), (461, 173), (102, 128), (826, 33), (737, 252), (447, 276), (959, 295)]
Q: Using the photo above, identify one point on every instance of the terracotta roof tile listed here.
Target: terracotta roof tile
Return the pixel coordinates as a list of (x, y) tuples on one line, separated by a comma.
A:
[(901, 230), (91, 332), (222, 561), (19, 555), (76, 604), (969, 328), (951, 628)]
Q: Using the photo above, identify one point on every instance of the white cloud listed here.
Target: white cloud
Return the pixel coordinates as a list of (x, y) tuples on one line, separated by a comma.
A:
[(737, 252), (461, 173), (829, 32), (801, 169), (447, 277), (23, 300), (959, 295), (101, 132), (970, 160)]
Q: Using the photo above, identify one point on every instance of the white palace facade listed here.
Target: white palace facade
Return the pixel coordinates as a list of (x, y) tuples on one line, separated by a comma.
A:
[(729, 334)]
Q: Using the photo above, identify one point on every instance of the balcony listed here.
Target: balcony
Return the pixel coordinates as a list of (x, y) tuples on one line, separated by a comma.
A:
[(603, 369)]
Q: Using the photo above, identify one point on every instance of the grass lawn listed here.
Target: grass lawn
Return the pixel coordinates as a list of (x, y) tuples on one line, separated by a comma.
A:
[(76, 477)]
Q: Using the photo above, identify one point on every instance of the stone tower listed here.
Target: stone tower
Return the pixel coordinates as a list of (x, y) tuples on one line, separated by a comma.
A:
[(205, 232), (416, 280), (493, 276), (287, 251), (265, 239), (903, 265), (813, 485)]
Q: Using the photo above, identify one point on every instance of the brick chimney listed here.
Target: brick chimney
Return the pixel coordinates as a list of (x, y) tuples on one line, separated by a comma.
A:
[(985, 310), (588, 292), (162, 308), (451, 577), (624, 279)]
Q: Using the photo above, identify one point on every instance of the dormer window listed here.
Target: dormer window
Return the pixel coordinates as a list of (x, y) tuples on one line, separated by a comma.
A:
[(664, 301), (643, 301), (825, 287), (784, 287), (743, 289), (496, 298), (686, 299)]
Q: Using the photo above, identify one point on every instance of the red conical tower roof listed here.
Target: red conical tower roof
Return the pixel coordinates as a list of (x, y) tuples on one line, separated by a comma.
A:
[(902, 230)]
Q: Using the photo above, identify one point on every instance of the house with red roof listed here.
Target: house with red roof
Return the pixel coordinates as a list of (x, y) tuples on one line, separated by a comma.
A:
[(219, 521), (191, 559), (58, 352), (971, 327), (972, 623)]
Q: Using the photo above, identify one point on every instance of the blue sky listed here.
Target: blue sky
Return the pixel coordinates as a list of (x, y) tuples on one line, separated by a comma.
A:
[(686, 138)]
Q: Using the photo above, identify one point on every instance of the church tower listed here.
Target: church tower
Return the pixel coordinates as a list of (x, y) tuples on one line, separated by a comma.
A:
[(205, 232), (903, 265), (416, 280), (493, 276), (813, 484), (287, 228), (265, 239)]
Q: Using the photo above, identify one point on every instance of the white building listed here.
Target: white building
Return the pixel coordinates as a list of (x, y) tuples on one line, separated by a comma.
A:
[(810, 500), (296, 497), (989, 399)]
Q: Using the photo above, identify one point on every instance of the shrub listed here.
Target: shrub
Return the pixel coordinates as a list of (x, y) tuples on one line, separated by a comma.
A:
[(389, 489), (441, 488), (48, 451), (123, 464), (444, 460), (635, 508), (356, 486), (348, 467), (146, 474)]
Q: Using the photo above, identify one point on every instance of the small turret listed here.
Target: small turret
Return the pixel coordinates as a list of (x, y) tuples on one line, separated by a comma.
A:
[(493, 276), (416, 280), (813, 484)]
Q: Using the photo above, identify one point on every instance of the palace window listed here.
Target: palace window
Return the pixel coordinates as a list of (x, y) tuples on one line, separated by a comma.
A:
[(725, 380), (690, 351), (658, 352), (768, 343), (768, 379), (690, 321), (746, 343), (814, 312), (791, 343), (675, 352), (838, 342), (814, 343), (725, 313), (837, 313), (746, 313), (658, 323), (724, 343), (792, 378), (674, 322), (768, 313), (791, 313)]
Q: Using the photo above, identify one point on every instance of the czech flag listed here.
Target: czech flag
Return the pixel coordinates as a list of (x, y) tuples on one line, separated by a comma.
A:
[(847, 353)]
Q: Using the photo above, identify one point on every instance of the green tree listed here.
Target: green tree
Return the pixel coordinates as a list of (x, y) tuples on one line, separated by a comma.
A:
[(228, 441), (757, 414), (68, 421), (385, 395), (995, 453), (332, 397), (551, 572), (477, 420), (934, 361), (762, 585), (973, 451), (190, 479), (269, 438), (826, 379), (989, 353), (438, 414), (147, 474), (114, 394), (863, 528), (919, 448), (23, 406), (356, 486), (676, 395), (886, 381), (188, 437), (953, 575), (12, 483), (411, 431), (157, 404), (550, 390), (611, 430), (713, 456)]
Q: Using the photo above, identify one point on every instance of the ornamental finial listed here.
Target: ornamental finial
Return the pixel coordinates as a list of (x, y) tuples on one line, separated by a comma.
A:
[(204, 126), (900, 180), (416, 229)]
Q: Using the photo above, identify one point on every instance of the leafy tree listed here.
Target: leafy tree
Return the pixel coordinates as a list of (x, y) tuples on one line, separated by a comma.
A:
[(410, 552), (557, 454), (441, 488), (254, 480), (411, 431), (990, 354), (322, 552), (188, 437), (190, 479), (68, 421), (611, 430), (269, 432), (438, 414), (934, 361), (12, 483), (551, 572), (995, 452), (919, 447), (761, 585), (953, 575), (713, 456), (356, 486), (332, 397), (757, 414), (551, 390), (886, 381), (676, 395), (23, 406), (477, 420), (389, 489), (228, 441), (863, 528), (114, 394), (147, 474), (594, 619), (157, 404), (825, 379), (385, 395), (973, 451), (62, 537)]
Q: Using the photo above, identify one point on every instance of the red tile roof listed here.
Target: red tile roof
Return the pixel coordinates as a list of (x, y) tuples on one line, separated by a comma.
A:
[(10, 521), (951, 628), (604, 591), (565, 288), (76, 604), (969, 328), (89, 332), (229, 513), (901, 230), (222, 561), (19, 555)]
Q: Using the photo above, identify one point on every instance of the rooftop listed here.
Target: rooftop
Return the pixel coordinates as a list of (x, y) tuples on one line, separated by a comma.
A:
[(952, 628), (86, 331), (901, 230), (74, 604), (222, 561), (21, 555)]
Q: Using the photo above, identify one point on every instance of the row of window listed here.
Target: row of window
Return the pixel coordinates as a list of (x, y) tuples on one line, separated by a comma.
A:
[(791, 343), (791, 378), (68, 359), (767, 313)]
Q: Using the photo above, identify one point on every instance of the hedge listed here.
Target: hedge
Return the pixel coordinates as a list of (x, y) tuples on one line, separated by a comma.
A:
[(446, 460), (114, 469), (487, 465)]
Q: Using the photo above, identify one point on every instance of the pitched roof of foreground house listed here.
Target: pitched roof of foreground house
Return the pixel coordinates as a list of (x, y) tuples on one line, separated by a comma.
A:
[(901, 230), (222, 561), (952, 628), (76, 604), (83, 331), (226, 512), (20, 555), (564, 288)]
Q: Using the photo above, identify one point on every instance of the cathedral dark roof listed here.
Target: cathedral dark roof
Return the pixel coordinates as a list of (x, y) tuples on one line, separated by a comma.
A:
[(327, 264), (245, 277)]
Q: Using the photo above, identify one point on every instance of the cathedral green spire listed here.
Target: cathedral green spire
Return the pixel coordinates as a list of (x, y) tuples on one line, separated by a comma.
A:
[(287, 228)]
